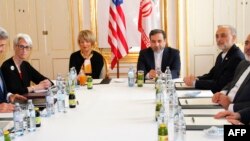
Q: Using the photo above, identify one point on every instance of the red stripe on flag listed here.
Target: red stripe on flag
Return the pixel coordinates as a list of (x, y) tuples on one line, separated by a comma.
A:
[(121, 14), (117, 33)]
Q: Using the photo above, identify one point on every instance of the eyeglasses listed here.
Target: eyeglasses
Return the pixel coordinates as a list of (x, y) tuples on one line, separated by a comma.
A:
[(28, 48), (2, 45)]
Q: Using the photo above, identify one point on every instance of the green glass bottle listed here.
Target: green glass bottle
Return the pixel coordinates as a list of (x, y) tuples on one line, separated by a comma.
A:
[(89, 82), (157, 110), (162, 132), (156, 86), (140, 78), (7, 135), (72, 100), (38, 117)]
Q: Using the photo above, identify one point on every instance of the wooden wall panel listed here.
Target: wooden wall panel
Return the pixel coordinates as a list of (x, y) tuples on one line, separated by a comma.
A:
[(125, 63), (60, 65), (36, 64), (203, 63)]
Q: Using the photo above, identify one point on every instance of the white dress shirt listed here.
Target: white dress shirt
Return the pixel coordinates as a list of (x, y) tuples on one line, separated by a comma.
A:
[(236, 87), (158, 61)]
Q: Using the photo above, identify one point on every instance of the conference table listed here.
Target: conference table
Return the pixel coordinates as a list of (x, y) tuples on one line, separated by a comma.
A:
[(108, 112)]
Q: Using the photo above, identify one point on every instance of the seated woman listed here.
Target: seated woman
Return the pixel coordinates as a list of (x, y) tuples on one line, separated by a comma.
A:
[(86, 59), (18, 73)]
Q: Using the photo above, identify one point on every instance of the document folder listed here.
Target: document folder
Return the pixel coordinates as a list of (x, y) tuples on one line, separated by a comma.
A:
[(203, 122), (183, 86), (105, 81), (198, 103), (38, 99)]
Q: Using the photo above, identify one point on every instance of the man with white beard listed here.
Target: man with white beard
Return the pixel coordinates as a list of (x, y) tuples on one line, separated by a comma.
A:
[(235, 96), (226, 62)]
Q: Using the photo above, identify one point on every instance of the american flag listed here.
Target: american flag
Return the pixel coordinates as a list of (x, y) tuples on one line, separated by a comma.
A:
[(117, 32)]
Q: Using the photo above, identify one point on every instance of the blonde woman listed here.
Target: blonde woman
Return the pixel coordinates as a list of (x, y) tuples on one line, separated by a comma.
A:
[(86, 59)]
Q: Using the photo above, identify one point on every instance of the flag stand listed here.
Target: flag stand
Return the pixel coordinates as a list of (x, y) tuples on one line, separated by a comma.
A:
[(118, 69), (117, 34)]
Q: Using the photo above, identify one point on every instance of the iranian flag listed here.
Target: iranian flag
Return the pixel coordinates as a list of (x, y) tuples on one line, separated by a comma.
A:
[(149, 18)]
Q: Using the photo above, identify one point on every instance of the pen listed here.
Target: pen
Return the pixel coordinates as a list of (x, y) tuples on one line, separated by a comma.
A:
[(192, 94), (186, 101), (193, 119)]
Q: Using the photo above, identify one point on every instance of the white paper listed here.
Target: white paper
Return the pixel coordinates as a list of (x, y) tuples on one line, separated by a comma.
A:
[(197, 101), (118, 80), (97, 81), (201, 111), (150, 81), (6, 115), (182, 85), (194, 93), (205, 121), (178, 80), (5, 125), (40, 91)]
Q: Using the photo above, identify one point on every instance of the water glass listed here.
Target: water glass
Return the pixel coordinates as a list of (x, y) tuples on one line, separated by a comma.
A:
[(140, 78)]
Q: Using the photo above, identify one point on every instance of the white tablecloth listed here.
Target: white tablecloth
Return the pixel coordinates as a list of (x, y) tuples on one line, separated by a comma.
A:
[(109, 112)]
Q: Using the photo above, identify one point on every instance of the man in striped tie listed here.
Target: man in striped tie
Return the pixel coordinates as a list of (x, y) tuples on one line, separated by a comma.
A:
[(4, 95)]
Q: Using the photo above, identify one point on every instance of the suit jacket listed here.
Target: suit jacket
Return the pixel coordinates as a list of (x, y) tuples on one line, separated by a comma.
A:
[(170, 57), (242, 97), (3, 92), (16, 84), (223, 71), (245, 115), (97, 63)]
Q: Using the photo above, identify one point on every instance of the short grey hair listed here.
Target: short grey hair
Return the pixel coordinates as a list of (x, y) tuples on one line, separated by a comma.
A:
[(231, 28), (23, 36), (3, 34)]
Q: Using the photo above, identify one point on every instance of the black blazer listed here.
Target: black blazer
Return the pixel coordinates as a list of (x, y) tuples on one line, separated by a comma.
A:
[(170, 57), (3, 92), (245, 115), (97, 63), (13, 80), (222, 73), (242, 97)]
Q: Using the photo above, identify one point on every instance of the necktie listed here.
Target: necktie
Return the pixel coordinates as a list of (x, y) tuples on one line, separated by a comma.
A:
[(1, 84)]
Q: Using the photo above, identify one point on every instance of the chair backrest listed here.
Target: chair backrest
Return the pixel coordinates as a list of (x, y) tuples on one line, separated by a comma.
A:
[(105, 71), (106, 65)]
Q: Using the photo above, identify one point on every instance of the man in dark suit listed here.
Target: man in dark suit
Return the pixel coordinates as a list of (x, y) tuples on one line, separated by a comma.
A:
[(226, 63), (4, 95), (158, 55), (235, 95), (237, 118)]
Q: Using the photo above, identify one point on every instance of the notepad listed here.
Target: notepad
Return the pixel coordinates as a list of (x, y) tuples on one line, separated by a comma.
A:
[(6, 116), (182, 86), (96, 81), (198, 103), (119, 80), (5, 125), (200, 123), (38, 99), (195, 93), (201, 112), (40, 91), (150, 81)]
